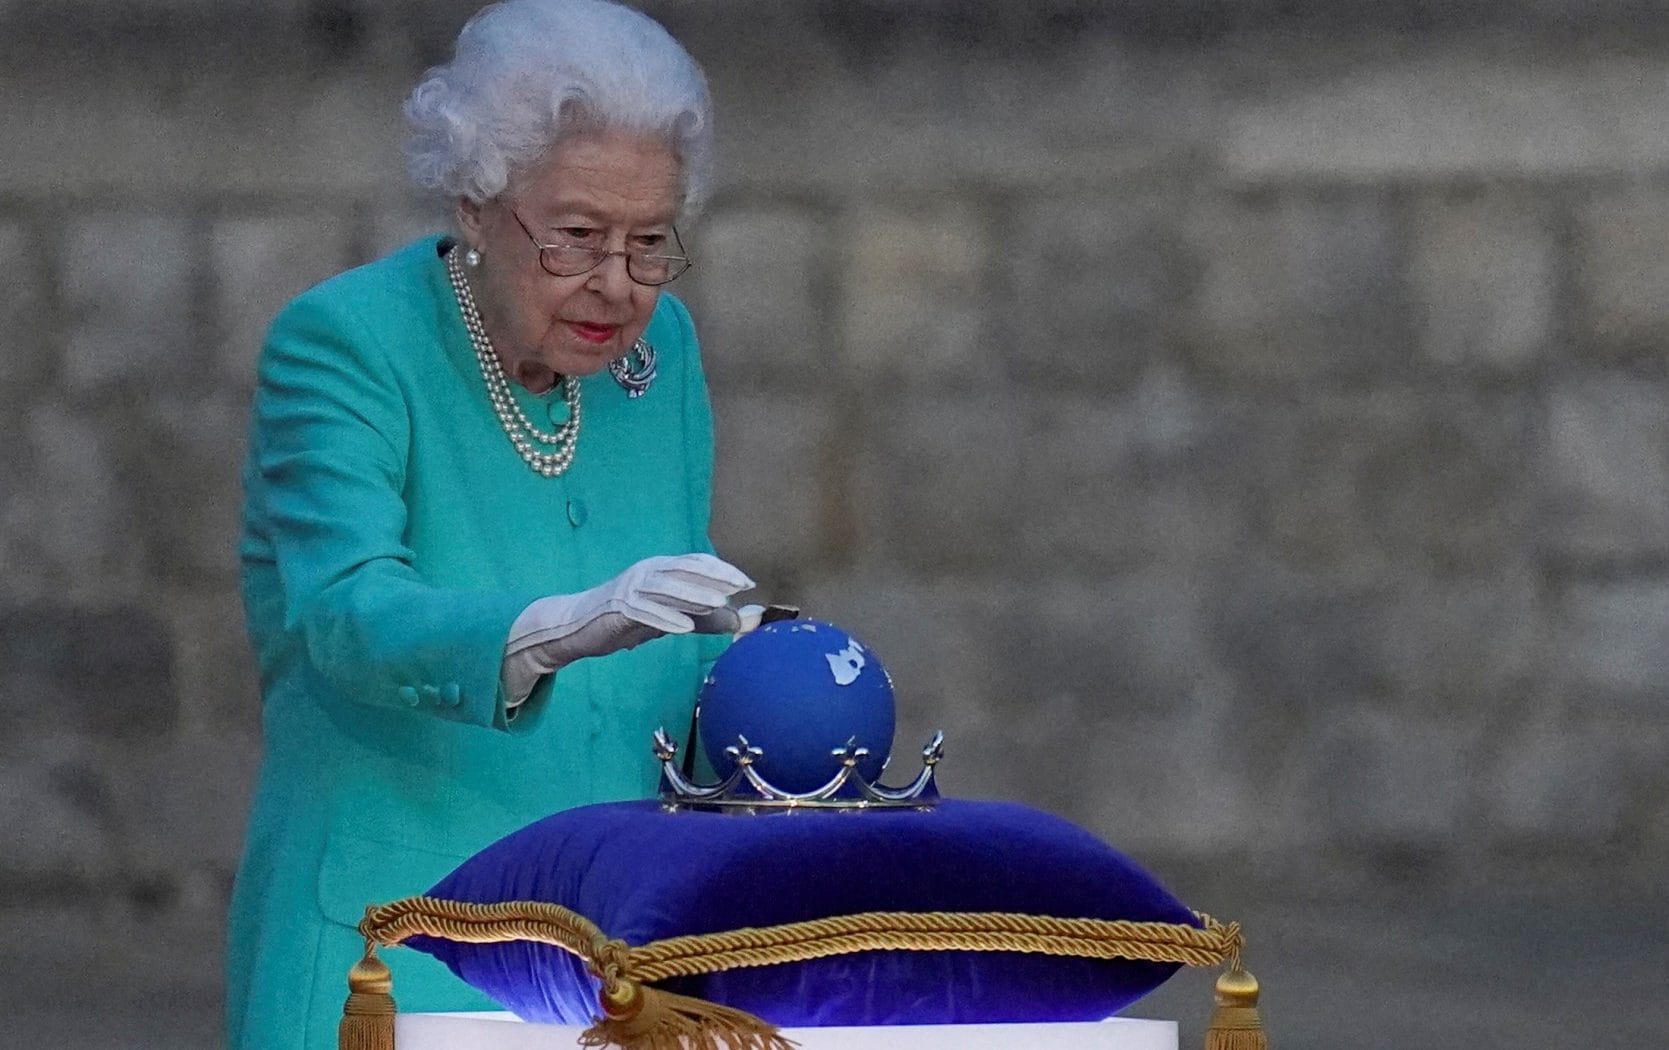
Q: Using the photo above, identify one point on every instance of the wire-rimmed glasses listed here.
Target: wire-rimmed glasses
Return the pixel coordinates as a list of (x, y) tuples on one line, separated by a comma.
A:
[(571, 260)]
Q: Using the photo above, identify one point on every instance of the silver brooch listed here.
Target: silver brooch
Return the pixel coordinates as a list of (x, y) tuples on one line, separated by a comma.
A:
[(636, 370)]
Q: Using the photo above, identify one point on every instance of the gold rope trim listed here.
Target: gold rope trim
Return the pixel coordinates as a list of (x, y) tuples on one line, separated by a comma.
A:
[(637, 1016), (613, 960)]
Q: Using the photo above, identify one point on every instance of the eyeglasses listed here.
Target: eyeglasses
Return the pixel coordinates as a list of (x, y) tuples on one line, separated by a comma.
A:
[(566, 259)]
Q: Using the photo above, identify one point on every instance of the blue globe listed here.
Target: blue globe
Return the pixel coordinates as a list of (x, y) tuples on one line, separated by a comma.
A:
[(798, 689)]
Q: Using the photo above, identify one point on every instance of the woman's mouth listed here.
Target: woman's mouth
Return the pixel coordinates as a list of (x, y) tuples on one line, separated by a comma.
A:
[(594, 333)]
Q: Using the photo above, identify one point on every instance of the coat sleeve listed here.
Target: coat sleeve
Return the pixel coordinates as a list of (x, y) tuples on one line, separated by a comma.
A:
[(329, 442)]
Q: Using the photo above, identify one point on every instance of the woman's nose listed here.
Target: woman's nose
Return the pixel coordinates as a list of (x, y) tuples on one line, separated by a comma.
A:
[(611, 279)]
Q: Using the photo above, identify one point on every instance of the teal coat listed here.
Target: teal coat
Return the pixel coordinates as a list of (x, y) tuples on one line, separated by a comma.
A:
[(391, 535)]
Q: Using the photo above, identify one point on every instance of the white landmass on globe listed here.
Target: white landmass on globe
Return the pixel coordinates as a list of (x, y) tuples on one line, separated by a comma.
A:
[(846, 664)]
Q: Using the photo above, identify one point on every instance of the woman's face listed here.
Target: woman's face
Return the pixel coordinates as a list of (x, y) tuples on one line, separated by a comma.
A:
[(615, 190)]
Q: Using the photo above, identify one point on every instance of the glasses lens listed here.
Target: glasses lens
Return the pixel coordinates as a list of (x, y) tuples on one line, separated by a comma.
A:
[(656, 269), (563, 260)]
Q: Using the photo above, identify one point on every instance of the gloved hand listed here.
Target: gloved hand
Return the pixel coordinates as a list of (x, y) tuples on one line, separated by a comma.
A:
[(665, 595)]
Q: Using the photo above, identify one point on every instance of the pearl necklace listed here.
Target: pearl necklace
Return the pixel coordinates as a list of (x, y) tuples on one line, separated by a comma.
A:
[(521, 431)]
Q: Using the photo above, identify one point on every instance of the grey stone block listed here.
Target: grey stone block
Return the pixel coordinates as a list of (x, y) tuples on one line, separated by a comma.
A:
[(1391, 481), (186, 483), (1484, 280), (1463, 650), (1614, 641), (1298, 649), (259, 263), (1117, 717), (251, 119), (393, 226), (1121, 647), (1155, 476), (1296, 646), (1449, 110), (797, 113), (1644, 807), (1557, 787), (1095, 285), (184, 806), (1389, 784), (760, 289), (1622, 271), (28, 336), (776, 493), (936, 485), (214, 665), (128, 292), (1137, 781), (1296, 289), (58, 812), (916, 293), (108, 673), (1325, 678), (1605, 464), (70, 530), (21, 579)]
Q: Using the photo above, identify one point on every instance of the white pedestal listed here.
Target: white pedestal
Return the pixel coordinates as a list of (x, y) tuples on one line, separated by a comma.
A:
[(504, 1032)]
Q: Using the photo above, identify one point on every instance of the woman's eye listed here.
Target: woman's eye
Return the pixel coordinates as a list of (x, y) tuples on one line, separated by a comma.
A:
[(577, 233), (650, 240)]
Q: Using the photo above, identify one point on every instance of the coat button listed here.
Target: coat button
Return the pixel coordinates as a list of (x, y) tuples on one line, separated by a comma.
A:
[(408, 696), (451, 696), (577, 512)]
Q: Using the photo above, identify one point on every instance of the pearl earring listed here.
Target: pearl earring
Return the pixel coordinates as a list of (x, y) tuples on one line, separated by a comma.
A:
[(472, 258)]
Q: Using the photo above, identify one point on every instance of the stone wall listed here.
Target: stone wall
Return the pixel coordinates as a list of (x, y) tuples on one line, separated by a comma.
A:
[(1244, 432)]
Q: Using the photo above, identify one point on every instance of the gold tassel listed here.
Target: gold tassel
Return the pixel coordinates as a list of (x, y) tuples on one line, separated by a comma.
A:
[(1235, 1024), (636, 1017), (368, 1015)]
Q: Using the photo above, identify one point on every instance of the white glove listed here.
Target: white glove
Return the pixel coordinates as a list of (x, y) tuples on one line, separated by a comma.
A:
[(666, 595)]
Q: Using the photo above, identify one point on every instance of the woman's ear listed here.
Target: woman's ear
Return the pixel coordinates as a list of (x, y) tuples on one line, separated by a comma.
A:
[(469, 222)]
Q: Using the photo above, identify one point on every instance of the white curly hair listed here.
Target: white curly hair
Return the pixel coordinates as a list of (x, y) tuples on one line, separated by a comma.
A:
[(528, 72)]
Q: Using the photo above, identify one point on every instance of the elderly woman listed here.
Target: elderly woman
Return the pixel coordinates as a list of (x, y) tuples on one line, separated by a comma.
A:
[(478, 481)]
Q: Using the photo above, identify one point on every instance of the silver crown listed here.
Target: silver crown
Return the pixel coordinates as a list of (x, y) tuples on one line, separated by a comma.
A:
[(746, 789)]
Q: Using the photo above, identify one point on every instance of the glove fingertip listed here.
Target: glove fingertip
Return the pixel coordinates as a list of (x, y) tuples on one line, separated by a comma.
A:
[(730, 575), (748, 618)]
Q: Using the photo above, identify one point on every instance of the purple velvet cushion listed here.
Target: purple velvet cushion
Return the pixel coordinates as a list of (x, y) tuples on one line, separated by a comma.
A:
[(642, 874)]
